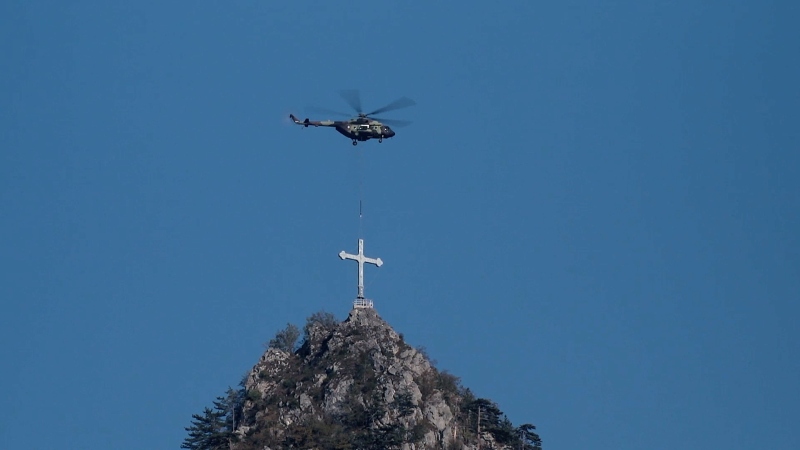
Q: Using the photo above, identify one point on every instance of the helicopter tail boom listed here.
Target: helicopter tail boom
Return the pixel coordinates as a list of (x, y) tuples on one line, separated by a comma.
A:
[(315, 123)]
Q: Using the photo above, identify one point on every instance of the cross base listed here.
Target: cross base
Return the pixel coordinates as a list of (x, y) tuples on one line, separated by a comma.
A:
[(362, 303)]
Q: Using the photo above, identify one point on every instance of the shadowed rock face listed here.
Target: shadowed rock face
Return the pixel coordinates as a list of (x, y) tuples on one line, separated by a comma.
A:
[(355, 385)]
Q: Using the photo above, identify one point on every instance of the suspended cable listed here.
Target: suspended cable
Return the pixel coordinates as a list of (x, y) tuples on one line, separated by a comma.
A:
[(360, 156)]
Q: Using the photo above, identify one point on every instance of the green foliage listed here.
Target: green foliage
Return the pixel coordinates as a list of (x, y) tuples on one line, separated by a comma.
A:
[(380, 438), (495, 422), (416, 433), (322, 319), (448, 384), (309, 433), (285, 339), (404, 403), (314, 432), (528, 438), (504, 432), (467, 397), (233, 405), (254, 395), (213, 430), (363, 410), (207, 431)]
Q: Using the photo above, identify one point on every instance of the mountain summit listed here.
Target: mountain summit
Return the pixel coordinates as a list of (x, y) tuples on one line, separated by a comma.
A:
[(354, 384)]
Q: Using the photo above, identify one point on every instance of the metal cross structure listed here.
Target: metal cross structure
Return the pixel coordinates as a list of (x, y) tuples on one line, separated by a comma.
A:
[(361, 259)]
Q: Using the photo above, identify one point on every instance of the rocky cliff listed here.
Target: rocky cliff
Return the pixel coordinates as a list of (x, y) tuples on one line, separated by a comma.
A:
[(357, 385)]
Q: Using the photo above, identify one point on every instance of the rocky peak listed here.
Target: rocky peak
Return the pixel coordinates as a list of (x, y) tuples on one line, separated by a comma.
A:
[(357, 384)]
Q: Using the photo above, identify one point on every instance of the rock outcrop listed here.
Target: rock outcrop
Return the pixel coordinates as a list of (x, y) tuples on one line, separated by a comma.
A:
[(357, 385)]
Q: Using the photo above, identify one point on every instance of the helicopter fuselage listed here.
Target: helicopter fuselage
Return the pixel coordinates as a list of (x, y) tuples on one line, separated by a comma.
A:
[(364, 131), (359, 129)]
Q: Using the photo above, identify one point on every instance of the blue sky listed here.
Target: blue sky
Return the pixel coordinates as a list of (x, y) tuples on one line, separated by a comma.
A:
[(589, 221)]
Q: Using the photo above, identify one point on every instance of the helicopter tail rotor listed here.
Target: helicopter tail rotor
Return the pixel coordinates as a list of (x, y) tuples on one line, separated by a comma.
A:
[(305, 122)]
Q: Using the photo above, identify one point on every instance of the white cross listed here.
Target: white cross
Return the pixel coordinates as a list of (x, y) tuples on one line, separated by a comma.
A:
[(361, 259)]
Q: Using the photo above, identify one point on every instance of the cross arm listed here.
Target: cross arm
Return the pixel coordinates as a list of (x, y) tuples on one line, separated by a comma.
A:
[(377, 262)]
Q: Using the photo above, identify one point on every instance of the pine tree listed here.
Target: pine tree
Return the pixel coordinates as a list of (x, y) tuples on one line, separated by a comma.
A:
[(232, 405), (207, 432), (530, 440), (214, 429)]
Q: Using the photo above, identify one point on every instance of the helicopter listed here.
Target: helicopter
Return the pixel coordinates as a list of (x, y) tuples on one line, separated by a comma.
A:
[(361, 127)]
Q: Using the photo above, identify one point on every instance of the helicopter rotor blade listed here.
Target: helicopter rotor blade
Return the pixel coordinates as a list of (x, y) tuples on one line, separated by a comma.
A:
[(326, 111), (402, 102), (352, 98), (394, 122)]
